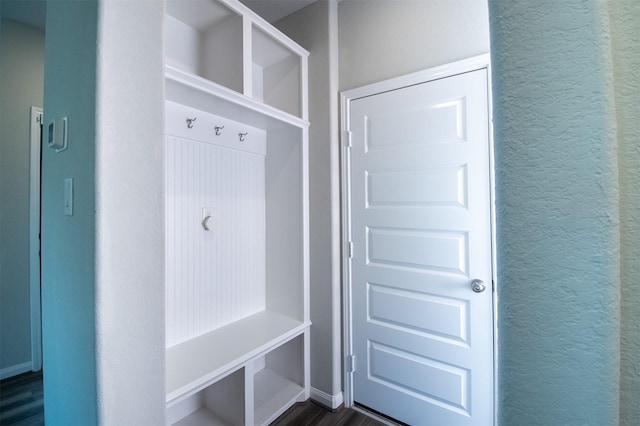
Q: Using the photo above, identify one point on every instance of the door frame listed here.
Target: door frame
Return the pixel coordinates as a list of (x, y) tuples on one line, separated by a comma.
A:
[(35, 153), (448, 70)]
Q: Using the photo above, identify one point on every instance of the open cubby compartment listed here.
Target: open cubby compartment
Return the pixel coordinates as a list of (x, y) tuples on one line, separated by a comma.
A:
[(215, 216), (279, 380), (205, 37), (285, 183), (277, 72), (254, 255), (220, 403)]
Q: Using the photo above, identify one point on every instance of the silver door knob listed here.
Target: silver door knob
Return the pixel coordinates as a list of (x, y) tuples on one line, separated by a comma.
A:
[(478, 286)]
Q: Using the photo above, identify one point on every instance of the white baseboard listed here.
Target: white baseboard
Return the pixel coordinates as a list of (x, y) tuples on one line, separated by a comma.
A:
[(14, 370), (330, 401)]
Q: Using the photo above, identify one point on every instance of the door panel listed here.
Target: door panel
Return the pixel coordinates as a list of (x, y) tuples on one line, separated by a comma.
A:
[(420, 226), (438, 186)]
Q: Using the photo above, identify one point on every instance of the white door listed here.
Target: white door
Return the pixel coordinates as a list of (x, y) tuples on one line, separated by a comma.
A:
[(420, 229)]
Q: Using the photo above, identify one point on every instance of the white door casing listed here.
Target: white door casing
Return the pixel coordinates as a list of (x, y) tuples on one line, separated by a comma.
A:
[(35, 293), (417, 198)]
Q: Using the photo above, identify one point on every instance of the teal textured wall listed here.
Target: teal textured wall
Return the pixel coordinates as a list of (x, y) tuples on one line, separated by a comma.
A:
[(557, 213), (68, 242)]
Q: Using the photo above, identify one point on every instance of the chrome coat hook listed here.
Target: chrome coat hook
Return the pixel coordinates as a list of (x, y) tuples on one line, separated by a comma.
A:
[(190, 122), (218, 130), (242, 136), (205, 223)]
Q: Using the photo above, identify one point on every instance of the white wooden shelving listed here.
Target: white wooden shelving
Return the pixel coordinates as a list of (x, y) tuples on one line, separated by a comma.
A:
[(237, 268), (226, 43)]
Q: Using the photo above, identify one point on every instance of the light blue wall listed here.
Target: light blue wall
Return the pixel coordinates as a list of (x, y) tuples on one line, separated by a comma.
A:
[(68, 243), (557, 213)]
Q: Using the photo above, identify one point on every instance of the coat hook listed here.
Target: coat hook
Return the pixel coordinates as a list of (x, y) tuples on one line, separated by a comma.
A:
[(205, 223), (190, 122), (242, 136), (218, 130)]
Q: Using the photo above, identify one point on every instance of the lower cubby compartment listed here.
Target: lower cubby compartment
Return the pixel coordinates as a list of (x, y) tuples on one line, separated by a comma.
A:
[(221, 403), (279, 380), (255, 391)]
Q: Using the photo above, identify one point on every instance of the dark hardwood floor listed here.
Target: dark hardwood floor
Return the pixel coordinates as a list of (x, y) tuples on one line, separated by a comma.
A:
[(310, 414), (21, 400), (21, 403)]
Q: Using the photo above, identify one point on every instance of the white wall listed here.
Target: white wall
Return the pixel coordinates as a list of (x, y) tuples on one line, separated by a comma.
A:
[(381, 39), (315, 29), (21, 86), (130, 213)]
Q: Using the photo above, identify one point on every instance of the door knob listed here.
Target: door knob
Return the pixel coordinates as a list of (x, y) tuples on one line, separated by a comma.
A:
[(478, 286)]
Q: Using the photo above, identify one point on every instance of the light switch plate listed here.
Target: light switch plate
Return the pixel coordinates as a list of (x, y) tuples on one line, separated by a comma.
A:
[(68, 196)]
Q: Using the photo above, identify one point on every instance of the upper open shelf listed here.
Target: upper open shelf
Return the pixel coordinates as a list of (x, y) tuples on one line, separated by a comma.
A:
[(228, 44)]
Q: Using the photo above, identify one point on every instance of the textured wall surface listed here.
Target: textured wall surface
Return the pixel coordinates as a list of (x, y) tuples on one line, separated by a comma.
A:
[(103, 267), (130, 213), (557, 198), (68, 242), (21, 86), (315, 28), (625, 42)]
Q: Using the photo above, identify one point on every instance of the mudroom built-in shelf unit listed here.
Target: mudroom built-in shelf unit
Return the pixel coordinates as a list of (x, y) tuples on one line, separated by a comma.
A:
[(237, 258)]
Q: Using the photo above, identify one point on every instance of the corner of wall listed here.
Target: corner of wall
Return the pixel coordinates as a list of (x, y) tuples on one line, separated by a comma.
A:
[(68, 242), (130, 213), (624, 25), (557, 209), (315, 28), (330, 401)]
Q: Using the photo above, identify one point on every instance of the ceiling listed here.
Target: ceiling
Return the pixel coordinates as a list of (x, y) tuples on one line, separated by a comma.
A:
[(33, 12), (30, 12)]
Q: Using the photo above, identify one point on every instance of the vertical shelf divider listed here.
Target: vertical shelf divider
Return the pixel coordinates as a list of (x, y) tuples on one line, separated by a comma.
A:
[(304, 88), (249, 394), (247, 43)]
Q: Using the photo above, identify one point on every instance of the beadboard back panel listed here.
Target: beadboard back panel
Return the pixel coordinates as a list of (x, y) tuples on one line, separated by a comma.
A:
[(215, 276)]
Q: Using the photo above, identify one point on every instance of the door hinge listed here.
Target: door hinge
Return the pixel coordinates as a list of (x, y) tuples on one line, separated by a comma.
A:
[(347, 135), (351, 364), (493, 286), (350, 249), (39, 119)]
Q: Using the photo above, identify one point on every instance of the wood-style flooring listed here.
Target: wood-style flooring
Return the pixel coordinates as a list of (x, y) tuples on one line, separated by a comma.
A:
[(310, 414), (21, 400), (21, 403)]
